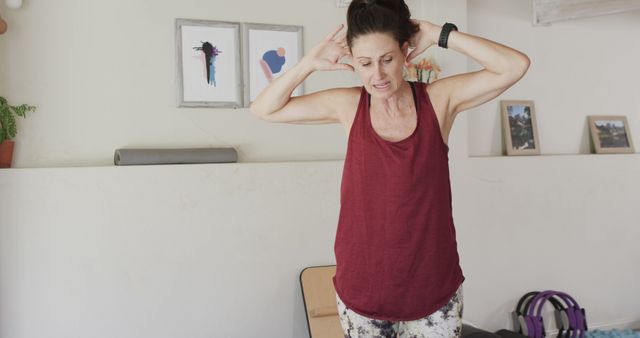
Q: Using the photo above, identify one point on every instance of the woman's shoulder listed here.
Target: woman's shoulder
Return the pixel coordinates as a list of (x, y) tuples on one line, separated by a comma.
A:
[(346, 101), (346, 91), (344, 97)]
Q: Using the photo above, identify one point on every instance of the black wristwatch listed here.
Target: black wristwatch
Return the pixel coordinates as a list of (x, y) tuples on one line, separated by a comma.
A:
[(444, 34)]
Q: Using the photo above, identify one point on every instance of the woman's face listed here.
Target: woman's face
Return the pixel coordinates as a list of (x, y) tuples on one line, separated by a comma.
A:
[(378, 59)]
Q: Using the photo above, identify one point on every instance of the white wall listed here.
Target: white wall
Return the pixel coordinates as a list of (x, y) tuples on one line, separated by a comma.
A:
[(102, 74), (565, 222), (135, 251), (163, 251), (579, 68)]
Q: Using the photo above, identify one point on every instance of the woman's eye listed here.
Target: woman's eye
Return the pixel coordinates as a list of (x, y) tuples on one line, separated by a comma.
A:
[(365, 64), (387, 60)]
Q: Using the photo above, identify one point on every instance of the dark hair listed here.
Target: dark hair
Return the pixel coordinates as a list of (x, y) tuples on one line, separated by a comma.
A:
[(380, 16)]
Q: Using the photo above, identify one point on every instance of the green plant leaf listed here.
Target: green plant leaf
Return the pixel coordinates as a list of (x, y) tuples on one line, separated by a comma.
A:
[(22, 109), (11, 126), (7, 118), (2, 138), (4, 121)]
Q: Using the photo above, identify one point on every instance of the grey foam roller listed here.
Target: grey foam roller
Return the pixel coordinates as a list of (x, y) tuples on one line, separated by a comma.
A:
[(174, 156)]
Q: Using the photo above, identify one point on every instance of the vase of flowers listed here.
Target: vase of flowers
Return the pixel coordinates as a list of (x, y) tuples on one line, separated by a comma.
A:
[(425, 70)]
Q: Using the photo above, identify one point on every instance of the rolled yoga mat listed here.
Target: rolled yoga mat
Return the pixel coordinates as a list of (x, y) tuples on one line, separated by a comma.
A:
[(174, 156)]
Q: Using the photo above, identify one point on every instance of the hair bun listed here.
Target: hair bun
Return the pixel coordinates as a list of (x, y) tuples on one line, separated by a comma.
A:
[(386, 16)]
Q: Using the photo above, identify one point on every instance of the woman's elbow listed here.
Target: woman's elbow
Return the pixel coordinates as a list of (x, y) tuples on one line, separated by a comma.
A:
[(253, 108), (521, 65), (517, 67), (256, 110)]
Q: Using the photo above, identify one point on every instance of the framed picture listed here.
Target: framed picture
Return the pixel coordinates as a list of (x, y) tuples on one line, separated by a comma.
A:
[(269, 51), (208, 63), (610, 134), (519, 128)]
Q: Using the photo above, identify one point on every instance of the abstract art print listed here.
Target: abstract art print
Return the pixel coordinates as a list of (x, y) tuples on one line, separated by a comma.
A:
[(208, 63), (269, 51), (610, 134), (519, 128)]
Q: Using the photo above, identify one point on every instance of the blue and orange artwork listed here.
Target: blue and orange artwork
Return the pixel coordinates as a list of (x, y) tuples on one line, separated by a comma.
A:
[(210, 53), (272, 61)]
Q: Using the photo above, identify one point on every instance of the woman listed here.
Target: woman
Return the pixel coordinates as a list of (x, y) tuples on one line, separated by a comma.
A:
[(397, 265)]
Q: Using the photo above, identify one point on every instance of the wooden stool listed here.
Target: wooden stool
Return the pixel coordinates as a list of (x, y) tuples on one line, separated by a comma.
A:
[(319, 297)]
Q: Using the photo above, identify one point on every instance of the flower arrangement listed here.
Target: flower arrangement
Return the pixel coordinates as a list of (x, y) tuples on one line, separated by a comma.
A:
[(425, 70)]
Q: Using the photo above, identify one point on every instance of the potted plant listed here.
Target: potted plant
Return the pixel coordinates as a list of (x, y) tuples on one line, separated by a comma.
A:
[(8, 129)]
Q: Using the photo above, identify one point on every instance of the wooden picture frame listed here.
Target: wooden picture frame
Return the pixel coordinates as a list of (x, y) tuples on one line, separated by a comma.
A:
[(519, 126), (208, 63), (268, 52), (610, 134)]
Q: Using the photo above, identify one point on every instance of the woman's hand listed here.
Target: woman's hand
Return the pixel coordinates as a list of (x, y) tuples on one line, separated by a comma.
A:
[(427, 36), (327, 54)]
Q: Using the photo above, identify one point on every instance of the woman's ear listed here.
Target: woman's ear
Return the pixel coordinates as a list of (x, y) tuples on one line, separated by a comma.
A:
[(405, 52)]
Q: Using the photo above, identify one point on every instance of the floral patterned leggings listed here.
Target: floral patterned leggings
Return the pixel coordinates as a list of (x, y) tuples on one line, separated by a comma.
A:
[(444, 323)]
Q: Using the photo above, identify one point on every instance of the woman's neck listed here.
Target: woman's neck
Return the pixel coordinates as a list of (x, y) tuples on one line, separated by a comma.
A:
[(397, 105)]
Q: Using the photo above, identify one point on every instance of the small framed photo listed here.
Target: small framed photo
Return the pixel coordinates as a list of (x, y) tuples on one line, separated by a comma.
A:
[(610, 134), (519, 127), (208, 63), (269, 51)]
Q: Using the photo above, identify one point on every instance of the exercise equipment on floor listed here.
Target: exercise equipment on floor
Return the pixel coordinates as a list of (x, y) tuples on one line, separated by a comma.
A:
[(570, 318)]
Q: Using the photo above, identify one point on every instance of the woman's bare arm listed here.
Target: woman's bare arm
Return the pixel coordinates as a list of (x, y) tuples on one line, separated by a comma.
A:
[(275, 103), (502, 67)]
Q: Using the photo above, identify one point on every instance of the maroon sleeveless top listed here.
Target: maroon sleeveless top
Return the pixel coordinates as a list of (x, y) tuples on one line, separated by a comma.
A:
[(396, 251)]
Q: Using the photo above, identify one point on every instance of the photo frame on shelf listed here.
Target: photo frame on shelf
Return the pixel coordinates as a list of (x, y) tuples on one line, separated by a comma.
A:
[(519, 127), (208, 63), (268, 52), (610, 134)]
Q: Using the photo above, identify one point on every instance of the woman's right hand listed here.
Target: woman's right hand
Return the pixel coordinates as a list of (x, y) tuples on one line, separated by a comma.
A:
[(327, 54)]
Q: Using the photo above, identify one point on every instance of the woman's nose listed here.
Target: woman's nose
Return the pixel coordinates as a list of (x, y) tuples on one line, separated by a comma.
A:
[(379, 71)]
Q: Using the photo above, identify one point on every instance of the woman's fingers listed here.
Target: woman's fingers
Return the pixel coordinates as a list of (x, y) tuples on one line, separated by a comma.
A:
[(342, 36), (415, 52), (345, 54), (342, 43), (411, 55), (333, 34), (332, 50), (342, 66)]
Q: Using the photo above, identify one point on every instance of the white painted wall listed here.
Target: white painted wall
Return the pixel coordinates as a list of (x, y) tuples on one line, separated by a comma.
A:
[(163, 251), (102, 74), (565, 222), (215, 250), (579, 68)]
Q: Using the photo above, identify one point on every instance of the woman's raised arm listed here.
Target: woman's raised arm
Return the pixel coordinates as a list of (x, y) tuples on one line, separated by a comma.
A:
[(275, 103), (503, 67)]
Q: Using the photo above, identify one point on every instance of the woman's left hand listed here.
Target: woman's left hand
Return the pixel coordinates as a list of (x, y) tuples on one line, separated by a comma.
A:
[(426, 37)]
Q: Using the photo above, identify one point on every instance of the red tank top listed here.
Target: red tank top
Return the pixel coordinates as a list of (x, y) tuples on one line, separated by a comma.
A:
[(396, 251)]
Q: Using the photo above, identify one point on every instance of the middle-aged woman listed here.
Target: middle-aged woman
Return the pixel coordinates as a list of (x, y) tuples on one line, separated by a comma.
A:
[(397, 265)]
